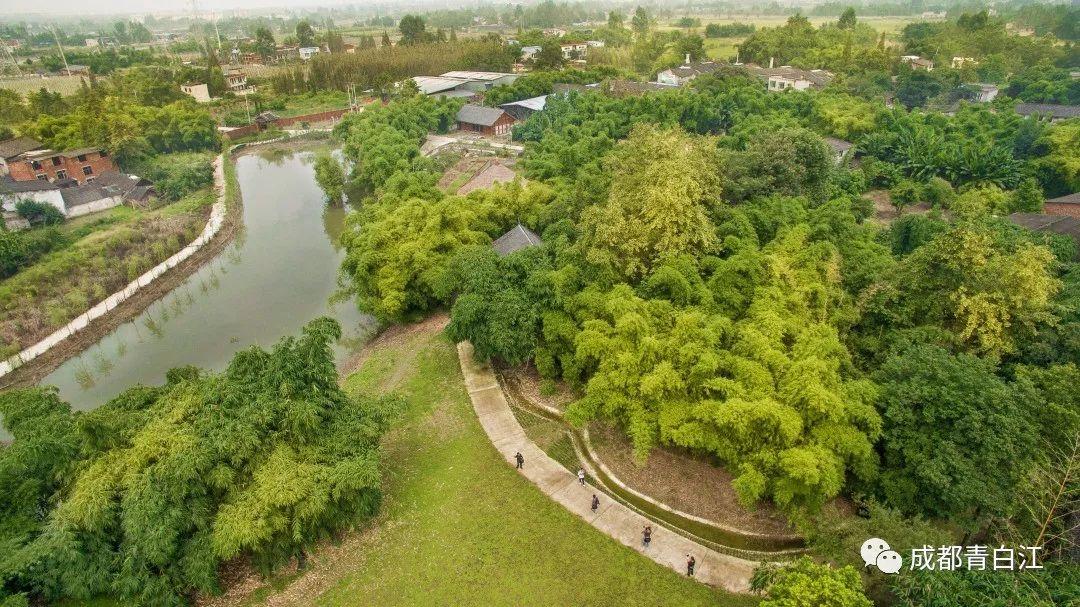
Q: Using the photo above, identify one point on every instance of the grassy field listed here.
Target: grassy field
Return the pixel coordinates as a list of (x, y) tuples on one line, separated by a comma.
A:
[(458, 526), (103, 252), (65, 85)]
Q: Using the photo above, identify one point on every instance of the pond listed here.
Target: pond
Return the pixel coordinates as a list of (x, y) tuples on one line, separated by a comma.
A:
[(279, 273)]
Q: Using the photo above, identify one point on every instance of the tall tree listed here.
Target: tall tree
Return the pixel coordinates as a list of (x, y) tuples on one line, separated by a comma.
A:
[(641, 21), (664, 184), (847, 19), (265, 43), (957, 439), (413, 30), (305, 34), (330, 177)]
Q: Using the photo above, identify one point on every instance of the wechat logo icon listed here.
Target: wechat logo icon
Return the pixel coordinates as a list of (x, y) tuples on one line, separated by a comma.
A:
[(876, 552)]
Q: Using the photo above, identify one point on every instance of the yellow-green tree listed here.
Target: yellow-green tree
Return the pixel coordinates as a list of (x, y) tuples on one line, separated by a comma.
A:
[(663, 186)]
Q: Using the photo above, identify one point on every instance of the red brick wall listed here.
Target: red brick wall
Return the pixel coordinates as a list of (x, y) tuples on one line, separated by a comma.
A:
[(311, 118), (1062, 208), (24, 170), (244, 131)]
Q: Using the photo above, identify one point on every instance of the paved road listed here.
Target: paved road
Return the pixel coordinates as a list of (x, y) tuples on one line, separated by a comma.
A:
[(621, 523)]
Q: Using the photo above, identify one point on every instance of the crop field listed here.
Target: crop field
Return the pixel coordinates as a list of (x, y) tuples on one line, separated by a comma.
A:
[(65, 85)]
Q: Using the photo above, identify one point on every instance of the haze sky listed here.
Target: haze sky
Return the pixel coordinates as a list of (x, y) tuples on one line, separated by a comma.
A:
[(11, 10)]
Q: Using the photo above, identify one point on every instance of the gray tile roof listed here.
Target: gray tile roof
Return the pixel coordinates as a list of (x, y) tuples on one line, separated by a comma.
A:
[(519, 237), (7, 184), (19, 145), (1055, 224), (83, 194), (696, 69), (1056, 111), (1067, 199), (478, 114)]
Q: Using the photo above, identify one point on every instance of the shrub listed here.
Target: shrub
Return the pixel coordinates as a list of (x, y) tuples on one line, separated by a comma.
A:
[(39, 213)]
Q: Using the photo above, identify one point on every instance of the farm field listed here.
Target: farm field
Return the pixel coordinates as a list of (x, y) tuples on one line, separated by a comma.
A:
[(65, 85)]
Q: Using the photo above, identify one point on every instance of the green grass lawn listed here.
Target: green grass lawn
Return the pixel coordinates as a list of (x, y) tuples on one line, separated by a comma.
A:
[(459, 527)]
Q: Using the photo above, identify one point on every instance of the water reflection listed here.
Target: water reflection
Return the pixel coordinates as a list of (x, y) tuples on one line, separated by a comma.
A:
[(278, 273)]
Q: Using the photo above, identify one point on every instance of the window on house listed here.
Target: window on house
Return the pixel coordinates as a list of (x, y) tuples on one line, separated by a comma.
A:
[(43, 177), (82, 157), (87, 170), (61, 174), (36, 165), (56, 161)]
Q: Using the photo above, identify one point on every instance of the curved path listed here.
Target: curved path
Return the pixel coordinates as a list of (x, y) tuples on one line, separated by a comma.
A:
[(616, 520)]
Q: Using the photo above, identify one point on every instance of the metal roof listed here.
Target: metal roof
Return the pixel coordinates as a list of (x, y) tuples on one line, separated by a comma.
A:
[(519, 237), (535, 104), (437, 84), (478, 114), (466, 75)]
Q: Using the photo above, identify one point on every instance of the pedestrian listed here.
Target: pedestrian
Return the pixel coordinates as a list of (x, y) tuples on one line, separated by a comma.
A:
[(595, 503), (690, 562), (646, 535), (520, 460), (581, 476)]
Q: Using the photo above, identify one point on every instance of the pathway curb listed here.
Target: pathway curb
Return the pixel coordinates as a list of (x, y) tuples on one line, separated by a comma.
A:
[(616, 520)]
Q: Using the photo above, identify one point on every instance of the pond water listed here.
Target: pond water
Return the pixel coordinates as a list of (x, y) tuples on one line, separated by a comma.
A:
[(278, 274)]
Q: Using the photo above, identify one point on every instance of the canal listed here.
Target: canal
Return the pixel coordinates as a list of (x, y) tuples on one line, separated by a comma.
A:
[(278, 274)]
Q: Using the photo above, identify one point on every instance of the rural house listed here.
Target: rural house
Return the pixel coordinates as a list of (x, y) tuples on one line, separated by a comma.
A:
[(11, 148), (82, 165), (1063, 205), (518, 238), (487, 120), (686, 72)]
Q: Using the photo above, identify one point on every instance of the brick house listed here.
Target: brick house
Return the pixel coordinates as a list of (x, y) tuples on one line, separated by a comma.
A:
[(1063, 205), (486, 120), (11, 149), (82, 165)]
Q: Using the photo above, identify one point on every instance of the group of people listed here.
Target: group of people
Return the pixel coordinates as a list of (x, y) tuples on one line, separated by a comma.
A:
[(646, 533)]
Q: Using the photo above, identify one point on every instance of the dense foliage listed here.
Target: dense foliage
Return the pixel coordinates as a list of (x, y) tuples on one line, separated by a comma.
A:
[(146, 496), (721, 293)]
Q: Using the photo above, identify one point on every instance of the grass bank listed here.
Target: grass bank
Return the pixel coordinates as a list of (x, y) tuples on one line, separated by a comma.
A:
[(102, 254), (459, 526)]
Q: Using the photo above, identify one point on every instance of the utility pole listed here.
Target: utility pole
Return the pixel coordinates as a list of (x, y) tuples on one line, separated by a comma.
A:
[(62, 55), (213, 17), (14, 61)]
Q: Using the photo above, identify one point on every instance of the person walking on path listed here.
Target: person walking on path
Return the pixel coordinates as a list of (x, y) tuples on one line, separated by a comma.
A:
[(581, 476), (520, 460), (690, 562), (646, 535), (595, 503)]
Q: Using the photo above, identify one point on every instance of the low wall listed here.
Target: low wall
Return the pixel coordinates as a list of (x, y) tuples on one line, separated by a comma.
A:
[(213, 225), (328, 116)]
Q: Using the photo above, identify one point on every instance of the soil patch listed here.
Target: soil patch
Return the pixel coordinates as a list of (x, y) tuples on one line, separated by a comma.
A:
[(683, 480), (885, 212)]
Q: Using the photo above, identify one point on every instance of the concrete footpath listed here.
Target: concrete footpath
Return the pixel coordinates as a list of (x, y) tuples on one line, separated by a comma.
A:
[(616, 520)]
